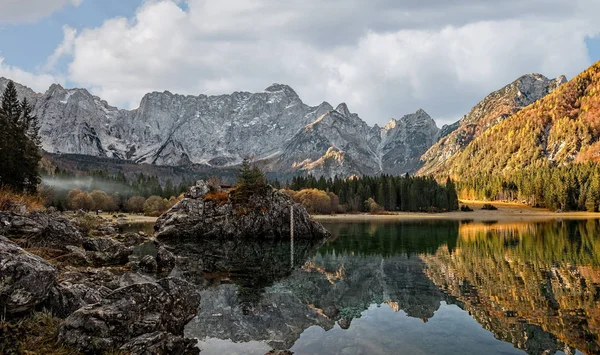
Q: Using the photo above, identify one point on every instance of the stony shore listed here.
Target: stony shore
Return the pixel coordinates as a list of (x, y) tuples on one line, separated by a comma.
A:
[(80, 270), (81, 274)]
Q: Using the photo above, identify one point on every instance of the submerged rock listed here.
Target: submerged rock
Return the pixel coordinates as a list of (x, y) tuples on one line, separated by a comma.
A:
[(260, 216), (131, 312), (148, 264), (25, 279), (165, 259), (40, 229), (161, 343), (131, 239)]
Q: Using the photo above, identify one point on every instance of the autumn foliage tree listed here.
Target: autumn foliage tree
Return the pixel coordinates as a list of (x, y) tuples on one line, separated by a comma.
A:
[(135, 204), (155, 206)]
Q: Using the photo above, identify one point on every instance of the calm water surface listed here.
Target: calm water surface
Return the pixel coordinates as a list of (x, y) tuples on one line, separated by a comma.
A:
[(402, 288)]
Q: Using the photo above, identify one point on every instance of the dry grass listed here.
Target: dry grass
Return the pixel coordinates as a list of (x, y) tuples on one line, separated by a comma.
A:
[(36, 334), (10, 199), (87, 222), (219, 197), (47, 254)]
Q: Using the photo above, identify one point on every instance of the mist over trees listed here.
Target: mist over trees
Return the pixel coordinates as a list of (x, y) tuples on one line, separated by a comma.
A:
[(128, 194), (19, 143)]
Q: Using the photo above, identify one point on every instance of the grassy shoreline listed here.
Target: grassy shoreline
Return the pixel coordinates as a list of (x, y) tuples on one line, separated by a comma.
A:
[(506, 212)]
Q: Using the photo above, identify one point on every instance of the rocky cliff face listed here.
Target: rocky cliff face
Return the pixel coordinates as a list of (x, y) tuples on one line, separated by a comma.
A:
[(339, 142), (493, 109), (274, 126)]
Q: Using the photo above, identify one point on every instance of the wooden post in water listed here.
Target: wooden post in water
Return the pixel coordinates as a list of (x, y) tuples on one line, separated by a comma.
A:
[(292, 236)]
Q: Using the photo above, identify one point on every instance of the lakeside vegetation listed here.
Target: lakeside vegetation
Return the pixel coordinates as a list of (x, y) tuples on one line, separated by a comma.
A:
[(374, 194), (573, 187), (545, 155)]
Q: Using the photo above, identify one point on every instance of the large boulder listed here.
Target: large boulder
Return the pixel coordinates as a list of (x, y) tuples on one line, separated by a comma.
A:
[(66, 297), (25, 279), (258, 216), (39, 229), (104, 251), (130, 312)]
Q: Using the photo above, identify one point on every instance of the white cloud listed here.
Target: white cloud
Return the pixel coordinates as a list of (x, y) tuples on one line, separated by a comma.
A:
[(383, 58), (63, 49), (20, 11), (38, 82)]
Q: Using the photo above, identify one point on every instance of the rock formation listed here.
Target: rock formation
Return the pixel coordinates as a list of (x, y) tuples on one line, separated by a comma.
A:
[(40, 229), (25, 279), (260, 216), (130, 312)]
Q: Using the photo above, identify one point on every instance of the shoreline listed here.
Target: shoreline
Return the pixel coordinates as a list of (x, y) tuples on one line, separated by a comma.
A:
[(506, 212)]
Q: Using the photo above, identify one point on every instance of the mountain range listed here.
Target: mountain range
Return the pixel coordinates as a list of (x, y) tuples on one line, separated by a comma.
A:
[(274, 127)]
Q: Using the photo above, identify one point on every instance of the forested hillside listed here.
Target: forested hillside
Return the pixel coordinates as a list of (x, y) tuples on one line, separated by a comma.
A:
[(546, 154), (561, 128), (493, 109)]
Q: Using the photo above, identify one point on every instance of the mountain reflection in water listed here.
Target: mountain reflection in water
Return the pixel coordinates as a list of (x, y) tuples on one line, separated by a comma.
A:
[(379, 288)]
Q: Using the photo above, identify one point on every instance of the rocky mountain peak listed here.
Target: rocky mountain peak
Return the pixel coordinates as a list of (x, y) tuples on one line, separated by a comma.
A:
[(493, 109), (22, 91), (390, 125), (419, 117), (532, 87), (343, 109), (55, 87), (285, 89)]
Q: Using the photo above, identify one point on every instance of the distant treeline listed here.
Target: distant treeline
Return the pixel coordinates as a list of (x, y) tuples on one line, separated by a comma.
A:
[(569, 188), (393, 193), (118, 187), (142, 184)]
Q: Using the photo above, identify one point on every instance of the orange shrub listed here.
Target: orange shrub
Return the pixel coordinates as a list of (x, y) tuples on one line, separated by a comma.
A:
[(10, 199), (219, 197)]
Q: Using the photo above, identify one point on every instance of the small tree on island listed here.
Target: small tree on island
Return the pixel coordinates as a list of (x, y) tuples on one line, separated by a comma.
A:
[(251, 181)]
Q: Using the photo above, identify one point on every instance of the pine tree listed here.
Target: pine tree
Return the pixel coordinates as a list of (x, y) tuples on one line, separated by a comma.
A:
[(251, 180), (168, 191), (19, 143), (451, 198)]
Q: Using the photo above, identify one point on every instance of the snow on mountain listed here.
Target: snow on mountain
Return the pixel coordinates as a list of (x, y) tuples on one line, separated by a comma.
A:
[(274, 126)]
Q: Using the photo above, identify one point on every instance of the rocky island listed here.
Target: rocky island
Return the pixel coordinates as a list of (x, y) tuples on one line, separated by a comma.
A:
[(211, 212)]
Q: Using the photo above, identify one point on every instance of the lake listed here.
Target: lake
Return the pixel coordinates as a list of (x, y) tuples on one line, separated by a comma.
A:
[(440, 287)]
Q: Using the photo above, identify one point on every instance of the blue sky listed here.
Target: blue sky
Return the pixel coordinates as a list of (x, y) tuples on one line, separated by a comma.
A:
[(28, 45), (384, 59)]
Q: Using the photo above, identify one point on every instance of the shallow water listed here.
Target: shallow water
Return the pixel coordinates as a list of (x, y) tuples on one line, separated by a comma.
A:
[(393, 288)]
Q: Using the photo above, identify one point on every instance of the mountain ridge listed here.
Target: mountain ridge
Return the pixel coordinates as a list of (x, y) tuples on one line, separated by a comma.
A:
[(559, 129), (492, 110), (173, 129)]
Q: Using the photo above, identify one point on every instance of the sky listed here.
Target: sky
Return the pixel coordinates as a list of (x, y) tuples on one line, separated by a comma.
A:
[(384, 58)]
